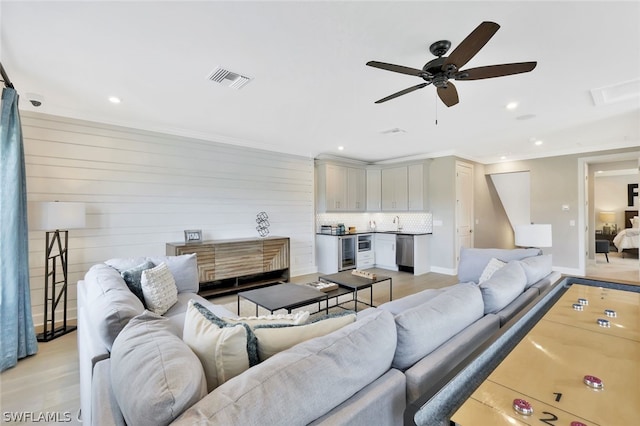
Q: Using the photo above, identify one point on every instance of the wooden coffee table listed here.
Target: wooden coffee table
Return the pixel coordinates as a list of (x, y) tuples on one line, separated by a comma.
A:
[(283, 296), (347, 280)]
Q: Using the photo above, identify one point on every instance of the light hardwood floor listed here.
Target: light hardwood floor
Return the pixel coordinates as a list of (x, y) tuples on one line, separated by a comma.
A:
[(48, 382)]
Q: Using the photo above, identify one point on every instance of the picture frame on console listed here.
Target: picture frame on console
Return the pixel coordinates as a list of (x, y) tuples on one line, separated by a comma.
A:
[(192, 236)]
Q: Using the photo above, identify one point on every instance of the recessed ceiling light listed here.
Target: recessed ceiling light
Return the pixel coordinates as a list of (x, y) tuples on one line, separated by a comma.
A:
[(538, 142), (114, 99), (512, 105), (599, 171), (340, 148), (504, 157)]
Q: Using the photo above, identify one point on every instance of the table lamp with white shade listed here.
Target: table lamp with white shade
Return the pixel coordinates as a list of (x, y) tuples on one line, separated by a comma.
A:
[(608, 218), (56, 218)]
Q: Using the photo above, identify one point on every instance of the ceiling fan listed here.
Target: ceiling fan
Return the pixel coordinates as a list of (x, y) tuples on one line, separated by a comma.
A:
[(444, 68)]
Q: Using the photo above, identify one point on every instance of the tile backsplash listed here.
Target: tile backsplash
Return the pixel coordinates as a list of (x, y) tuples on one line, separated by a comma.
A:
[(410, 222)]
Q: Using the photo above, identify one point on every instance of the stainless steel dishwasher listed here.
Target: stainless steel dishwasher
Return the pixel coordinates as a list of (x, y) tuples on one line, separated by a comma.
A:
[(404, 251)]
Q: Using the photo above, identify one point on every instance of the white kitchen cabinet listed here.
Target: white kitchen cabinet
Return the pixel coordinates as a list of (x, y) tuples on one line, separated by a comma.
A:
[(327, 254), (417, 187), (374, 188), (385, 251), (356, 193), (394, 189), (421, 254), (366, 259), (340, 188)]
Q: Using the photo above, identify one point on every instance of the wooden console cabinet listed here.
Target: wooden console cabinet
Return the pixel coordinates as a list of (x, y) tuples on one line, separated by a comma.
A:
[(228, 266)]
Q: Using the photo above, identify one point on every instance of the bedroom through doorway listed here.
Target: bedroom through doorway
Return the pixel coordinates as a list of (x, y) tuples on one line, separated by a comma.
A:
[(614, 204)]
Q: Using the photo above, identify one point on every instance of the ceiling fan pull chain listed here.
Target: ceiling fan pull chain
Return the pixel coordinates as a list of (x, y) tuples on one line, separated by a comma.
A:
[(436, 99)]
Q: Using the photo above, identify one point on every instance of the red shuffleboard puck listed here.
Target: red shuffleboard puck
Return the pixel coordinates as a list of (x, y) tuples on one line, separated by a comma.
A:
[(593, 382), (523, 407)]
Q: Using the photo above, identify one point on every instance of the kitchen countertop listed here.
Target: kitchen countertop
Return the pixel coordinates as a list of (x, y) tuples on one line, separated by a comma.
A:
[(377, 232)]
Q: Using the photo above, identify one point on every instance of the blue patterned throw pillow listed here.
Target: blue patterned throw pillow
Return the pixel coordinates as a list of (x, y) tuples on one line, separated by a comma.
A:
[(133, 278)]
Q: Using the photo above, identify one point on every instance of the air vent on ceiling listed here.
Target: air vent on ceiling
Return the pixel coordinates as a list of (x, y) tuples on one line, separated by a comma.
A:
[(616, 92), (395, 130), (229, 78)]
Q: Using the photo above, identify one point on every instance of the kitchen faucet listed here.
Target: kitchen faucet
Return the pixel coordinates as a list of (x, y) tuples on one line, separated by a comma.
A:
[(396, 220)]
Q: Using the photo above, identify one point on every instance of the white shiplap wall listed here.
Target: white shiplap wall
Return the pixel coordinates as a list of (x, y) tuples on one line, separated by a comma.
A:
[(143, 189)]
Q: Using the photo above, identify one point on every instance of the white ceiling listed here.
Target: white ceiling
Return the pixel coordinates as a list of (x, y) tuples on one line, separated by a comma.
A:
[(312, 91)]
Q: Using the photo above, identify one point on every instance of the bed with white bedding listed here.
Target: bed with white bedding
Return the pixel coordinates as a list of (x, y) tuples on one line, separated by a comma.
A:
[(628, 240)]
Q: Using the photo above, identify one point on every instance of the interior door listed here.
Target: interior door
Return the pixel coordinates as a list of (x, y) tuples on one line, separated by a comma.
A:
[(464, 207)]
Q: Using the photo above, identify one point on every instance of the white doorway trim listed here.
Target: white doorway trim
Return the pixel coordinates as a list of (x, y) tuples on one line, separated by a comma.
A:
[(583, 213)]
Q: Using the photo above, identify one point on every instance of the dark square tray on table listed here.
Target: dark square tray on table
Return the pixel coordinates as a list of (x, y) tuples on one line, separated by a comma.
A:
[(284, 296)]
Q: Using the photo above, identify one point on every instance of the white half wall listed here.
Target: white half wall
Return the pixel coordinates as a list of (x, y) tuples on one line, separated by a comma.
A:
[(143, 189), (514, 190)]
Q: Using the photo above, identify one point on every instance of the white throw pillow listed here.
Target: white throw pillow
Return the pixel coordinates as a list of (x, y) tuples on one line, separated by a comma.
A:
[(297, 318), (276, 338), (493, 265), (222, 349), (159, 289), (635, 222)]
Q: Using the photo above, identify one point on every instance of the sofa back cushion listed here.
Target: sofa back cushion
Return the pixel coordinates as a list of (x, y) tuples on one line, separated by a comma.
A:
[(400, 305), (474, 260), (425, 327), (503, 287), (304, 382), (109, 302), (154, 374), (536, 268), (184, 269)]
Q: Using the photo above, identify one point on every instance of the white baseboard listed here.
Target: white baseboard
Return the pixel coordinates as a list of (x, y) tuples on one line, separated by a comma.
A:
[(304, 271), (445, 271), (568, 271)]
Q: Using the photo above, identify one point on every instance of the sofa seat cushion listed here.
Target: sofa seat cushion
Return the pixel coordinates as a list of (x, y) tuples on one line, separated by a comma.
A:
[(154, 374), (503, 287), (474, 260), (400, 305), (512, 309), (301, 384), (427, 373), (536, 268), (109, 302), (423, 328)]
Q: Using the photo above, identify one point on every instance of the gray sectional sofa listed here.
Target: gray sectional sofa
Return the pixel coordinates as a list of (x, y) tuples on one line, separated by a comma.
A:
[(136, 369)]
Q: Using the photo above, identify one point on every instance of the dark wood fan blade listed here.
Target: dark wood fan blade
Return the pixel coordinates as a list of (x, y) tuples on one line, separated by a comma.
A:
[(471, 45), (449, 94), (402, 92), (396, 68), (492, 71)]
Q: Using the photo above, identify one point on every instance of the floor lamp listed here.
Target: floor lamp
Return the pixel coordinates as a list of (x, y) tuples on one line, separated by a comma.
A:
[(57, 218)]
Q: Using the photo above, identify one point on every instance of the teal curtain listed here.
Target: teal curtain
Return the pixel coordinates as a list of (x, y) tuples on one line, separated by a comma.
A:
[(17, 335)]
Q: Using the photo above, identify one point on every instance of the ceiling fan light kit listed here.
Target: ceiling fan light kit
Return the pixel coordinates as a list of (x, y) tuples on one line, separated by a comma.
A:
[(444, 68)]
